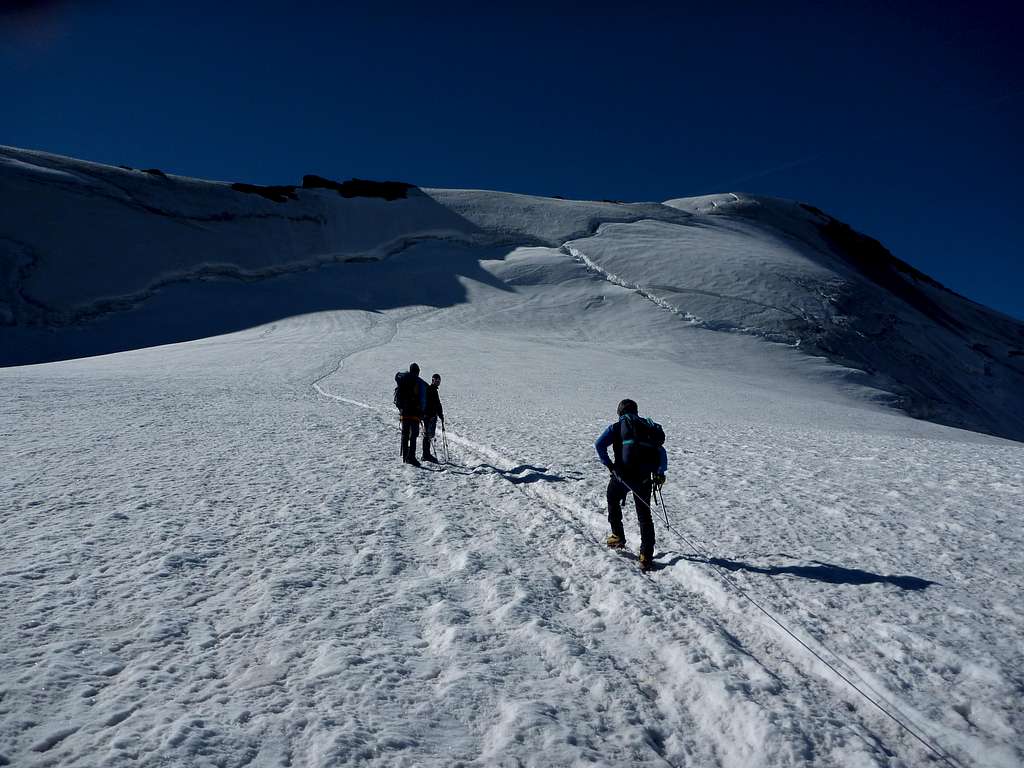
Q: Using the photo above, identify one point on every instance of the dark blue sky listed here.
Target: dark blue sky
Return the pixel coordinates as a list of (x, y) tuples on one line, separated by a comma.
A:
[(904, 120)]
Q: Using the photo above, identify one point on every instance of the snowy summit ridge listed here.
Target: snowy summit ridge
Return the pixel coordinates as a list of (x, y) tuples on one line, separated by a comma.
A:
[(91, 256)]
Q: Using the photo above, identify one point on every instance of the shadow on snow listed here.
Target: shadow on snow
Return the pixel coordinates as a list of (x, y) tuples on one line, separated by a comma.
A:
[(215, 300), (514, 475), (819, 571)]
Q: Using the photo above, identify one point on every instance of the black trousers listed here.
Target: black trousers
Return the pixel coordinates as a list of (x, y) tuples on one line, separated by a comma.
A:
[(617, 493), (410, 431), (429, 430)]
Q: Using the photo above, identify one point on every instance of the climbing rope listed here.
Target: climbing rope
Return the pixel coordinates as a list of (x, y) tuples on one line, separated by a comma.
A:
[(700, 551)]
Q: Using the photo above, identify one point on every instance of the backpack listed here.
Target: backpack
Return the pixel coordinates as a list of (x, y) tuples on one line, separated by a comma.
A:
[(642, 439), (407, 396)]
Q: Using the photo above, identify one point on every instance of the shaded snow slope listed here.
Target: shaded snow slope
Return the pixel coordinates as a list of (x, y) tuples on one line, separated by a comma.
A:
[(96, 259), (83, 239), (212, 555)]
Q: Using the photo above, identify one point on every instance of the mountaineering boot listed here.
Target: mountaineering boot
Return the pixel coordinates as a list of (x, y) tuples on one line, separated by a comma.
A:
[(429, 457), (646, 563), (412, 460), (614, 541)]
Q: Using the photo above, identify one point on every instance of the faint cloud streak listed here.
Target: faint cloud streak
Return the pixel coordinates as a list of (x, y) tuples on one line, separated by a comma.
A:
[(768, 171)]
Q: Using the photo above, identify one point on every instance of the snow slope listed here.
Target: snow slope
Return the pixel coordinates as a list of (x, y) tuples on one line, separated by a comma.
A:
[(96, 259), (212, 555)]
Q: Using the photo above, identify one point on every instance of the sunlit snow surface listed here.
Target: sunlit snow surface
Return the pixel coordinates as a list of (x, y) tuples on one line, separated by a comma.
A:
[(212, 554)]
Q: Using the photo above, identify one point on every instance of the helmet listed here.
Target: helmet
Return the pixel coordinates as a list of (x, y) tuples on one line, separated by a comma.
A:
[(414, 369), (627, 406)]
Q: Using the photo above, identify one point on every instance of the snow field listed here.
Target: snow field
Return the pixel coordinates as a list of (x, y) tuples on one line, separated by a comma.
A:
[(213, 556), (800, 491)]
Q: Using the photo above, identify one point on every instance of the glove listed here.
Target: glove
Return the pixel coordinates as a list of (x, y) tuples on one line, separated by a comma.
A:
[(659, 480)]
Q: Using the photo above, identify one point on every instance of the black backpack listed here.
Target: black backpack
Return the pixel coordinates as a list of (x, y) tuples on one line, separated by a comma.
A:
[(642, 439), (407, 396)]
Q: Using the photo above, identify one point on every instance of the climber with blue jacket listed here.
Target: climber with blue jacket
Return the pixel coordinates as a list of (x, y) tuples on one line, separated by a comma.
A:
[(638, 465)]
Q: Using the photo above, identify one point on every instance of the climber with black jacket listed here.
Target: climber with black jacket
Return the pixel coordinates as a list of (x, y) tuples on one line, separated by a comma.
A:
[(411, 400), (431, 414)]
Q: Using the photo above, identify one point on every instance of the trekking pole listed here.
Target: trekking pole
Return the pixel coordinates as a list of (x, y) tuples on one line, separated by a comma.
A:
[(664, 510), (444, 441)]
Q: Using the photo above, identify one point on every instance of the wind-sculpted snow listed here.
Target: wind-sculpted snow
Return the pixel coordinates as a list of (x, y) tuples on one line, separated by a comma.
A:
[(96, 259), (790, 274), (82, 233), (90, 233), (86, 250), (212, 555)]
